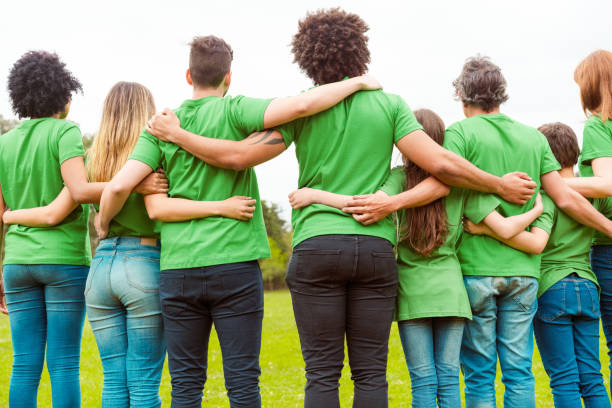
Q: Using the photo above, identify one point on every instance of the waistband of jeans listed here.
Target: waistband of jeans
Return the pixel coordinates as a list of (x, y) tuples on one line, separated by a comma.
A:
[(129, 242)]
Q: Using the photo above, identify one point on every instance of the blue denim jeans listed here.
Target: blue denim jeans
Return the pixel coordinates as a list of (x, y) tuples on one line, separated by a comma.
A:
[(122, 296), (46, 310), (566, 329), (503, 310), (230, 296), (601, 262), (432, 348)]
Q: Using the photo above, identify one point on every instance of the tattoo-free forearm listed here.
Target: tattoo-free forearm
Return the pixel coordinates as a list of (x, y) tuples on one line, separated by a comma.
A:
[(47, 216), (592, 187), (160, 207), (427, 191)]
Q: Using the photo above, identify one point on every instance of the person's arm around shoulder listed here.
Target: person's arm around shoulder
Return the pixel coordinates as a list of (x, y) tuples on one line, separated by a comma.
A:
[(160, 207), (598, 186)]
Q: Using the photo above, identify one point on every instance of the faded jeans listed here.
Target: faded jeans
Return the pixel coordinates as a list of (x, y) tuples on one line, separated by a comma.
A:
[(601, 262)]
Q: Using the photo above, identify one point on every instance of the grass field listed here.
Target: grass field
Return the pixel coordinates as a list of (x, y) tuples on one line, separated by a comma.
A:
[(282, 379)]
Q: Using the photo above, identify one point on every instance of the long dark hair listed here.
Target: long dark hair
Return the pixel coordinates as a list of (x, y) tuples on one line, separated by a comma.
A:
[(425, 228)]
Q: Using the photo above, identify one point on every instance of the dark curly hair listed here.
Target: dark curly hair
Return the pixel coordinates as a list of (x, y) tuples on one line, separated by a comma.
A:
[(39, 85), (330, 45), (481, 84)]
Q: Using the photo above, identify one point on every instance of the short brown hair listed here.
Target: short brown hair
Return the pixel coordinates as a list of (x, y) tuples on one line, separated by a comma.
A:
[(330, 45), (563, 143), (481, 84), (210, 59), (594, 78)]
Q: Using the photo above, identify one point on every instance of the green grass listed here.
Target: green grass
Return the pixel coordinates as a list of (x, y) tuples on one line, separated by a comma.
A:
[(282, 378)]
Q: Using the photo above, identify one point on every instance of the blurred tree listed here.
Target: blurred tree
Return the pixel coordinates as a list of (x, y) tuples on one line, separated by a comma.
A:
[(279, 236), (7, 124)]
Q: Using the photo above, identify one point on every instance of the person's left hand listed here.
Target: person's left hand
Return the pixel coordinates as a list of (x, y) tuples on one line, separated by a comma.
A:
[(369, 208), (164, 125), (154, 183), (102, 230)]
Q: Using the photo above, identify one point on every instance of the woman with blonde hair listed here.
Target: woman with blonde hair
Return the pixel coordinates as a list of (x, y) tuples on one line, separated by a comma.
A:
[(122, 289)]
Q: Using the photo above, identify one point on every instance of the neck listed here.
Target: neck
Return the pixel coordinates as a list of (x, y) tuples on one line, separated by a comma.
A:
[(567, 172), (471, 110), (204, 92)]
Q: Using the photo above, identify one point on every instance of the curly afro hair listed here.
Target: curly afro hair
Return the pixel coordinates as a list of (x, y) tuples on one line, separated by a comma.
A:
[(330, 45), (481, 84), (39, 85)]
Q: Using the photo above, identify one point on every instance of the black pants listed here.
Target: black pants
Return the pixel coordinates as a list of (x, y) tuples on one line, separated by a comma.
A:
[(344, 285), (231, 297)]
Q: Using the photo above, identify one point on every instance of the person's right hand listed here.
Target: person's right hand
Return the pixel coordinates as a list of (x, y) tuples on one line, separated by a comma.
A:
[(154, 183), (538, 205), (369, 83), (301, 198), (164, 125), (239, 207), (101, 230), (517, 187), (474, 229)]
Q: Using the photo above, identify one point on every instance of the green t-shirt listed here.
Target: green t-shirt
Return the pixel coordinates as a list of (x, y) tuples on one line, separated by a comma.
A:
[(499, 145), (347, 150), (568, 247), (133, 220), (30, 176), (596, 143), (212, 240), (433, 286)]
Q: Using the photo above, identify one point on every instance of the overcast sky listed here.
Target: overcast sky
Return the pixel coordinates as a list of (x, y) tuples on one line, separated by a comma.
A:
[(417, 50)]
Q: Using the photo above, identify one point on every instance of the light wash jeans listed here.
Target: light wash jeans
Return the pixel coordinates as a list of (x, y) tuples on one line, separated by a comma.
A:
[(122, 295), (503, 310), (601, 262), (46, 310), (432, 348), (566, 329)]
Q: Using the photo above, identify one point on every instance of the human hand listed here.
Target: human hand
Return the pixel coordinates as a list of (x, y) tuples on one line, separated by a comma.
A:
[(301, 198), (474, 229), (370, 208), (164, 125), (101, 230), (154, 183), (517, 187), (368, 83), (238, 207)]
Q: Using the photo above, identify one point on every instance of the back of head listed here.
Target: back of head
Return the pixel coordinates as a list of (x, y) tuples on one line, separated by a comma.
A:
[(39, 85), (563, 143), (594, 78), (426, 227), (481, 84), (210, 59), (330, 45), (127, 108)]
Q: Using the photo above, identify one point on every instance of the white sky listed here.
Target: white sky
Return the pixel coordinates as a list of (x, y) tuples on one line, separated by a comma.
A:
[(417, 49)]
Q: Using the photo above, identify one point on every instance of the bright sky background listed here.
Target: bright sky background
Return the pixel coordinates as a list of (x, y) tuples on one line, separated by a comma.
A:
[(417, 50)]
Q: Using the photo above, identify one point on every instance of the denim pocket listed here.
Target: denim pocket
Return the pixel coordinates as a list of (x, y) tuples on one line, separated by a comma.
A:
[(593, 298), (95, 263), (142, 273), (551, 305), (385, 266)]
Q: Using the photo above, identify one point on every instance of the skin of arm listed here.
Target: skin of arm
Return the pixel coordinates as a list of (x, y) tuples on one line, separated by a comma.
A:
[(531, 242), (508, 227), (574, 204), (2, 296), (306, 196), (163, 208), (595, 187), (75, 178)]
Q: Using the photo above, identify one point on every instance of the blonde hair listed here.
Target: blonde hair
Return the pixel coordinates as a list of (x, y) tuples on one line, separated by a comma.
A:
[(594, 78), (127, 108)]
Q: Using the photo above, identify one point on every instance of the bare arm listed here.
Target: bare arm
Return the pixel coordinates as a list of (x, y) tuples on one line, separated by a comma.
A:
[(531, 242), (47, 216), (573, 204), (507, 227), (371, 208), (75, 178), (2, 296), (456, 171), (163, 208), (306, 196), (598, 186)]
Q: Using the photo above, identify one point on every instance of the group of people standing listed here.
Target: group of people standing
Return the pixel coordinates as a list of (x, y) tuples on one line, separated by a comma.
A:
[(181, 232)]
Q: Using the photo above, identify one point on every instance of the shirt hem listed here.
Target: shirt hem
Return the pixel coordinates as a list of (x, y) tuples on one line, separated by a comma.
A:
[(212, 261), (296, 242), (503, 274), (30, 261)]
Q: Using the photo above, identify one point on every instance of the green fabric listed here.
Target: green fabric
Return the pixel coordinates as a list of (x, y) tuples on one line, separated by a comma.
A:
[(433, 286), (596, 143), (568, 247), (133, 220), (499, 145), (212, 240), (30, 175), (347, 150)]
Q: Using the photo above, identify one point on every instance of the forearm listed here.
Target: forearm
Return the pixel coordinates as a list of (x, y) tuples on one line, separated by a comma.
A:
[(592, 187), (425, 192), (577, 207), (507, 227), (47, 216), (218, 152), (531, 242), (87, 193), (338, 201), (111, 202), (160, 207)]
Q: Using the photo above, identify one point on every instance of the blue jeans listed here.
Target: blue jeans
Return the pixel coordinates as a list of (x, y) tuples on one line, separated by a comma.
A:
[(230, 296), (46, 309), (503, 310), (122, 296), (601, 262), (432, 348), (567, 332)]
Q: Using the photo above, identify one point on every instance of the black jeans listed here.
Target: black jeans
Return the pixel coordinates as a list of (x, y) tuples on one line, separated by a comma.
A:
[(231, 297), (344, 285)]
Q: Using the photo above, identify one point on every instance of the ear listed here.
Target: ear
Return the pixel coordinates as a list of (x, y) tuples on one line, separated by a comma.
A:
[(66, 110), (228, 79), (188, 77)]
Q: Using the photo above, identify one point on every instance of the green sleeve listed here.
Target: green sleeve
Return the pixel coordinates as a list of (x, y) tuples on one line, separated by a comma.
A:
[(454, 140), (596, 142), (546, 220), (70, 144), (147, 150), (478, 205), (396, 181), (248, 113), (288, 131), (405, 121), (549, 161)]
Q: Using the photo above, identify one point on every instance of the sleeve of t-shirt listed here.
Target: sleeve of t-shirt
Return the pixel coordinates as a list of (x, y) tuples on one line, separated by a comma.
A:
[(454, 140), (248, 113), (288, 131), (396, 181), (478, 205), (147, 150), (70, 144), (405, 121), (546, 220), (596, 142), (549, 161)]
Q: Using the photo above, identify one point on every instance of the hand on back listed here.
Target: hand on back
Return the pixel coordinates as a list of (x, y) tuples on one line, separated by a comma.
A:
[(163, 125), (518, 187), (301, 198), (154, 183), (238, 207)]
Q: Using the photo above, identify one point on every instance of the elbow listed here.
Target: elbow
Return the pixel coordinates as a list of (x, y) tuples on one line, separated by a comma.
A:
[(302, 109), (154, 213), (443, 169), (51, 220), (80, 197), (505, 234)]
